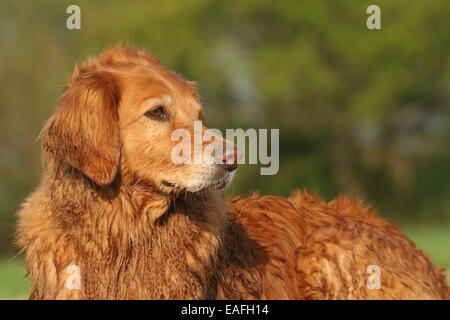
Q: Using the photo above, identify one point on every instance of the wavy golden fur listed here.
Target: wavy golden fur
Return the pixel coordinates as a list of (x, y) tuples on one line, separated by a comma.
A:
[(140, 227)]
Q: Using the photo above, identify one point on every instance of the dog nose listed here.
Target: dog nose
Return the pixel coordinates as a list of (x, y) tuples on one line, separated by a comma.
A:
[(230, 158)]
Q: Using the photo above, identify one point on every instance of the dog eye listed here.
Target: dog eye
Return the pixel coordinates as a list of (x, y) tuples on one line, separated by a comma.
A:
[(158, 114)]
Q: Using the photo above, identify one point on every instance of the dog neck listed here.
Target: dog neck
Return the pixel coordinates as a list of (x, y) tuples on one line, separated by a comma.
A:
[(132, 233)]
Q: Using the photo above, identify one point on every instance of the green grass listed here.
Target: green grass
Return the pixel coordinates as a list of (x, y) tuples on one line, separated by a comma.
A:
[(433, 239), (13, 283)]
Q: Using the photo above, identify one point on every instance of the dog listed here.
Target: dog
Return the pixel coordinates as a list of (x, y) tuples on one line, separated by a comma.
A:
[(114, 218)]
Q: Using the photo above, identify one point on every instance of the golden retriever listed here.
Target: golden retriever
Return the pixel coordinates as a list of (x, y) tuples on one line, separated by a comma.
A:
[(115, 218)]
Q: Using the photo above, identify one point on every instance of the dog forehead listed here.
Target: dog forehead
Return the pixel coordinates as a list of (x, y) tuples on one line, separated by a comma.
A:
[(150, 84)]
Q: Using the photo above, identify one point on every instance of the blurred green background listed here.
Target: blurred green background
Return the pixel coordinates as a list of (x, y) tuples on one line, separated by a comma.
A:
[(362, 112)]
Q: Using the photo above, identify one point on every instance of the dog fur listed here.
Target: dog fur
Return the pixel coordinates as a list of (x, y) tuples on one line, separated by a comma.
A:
[(140, 227)]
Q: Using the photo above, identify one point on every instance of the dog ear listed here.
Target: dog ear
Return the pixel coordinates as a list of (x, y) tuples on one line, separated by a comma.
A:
[(84, 130)]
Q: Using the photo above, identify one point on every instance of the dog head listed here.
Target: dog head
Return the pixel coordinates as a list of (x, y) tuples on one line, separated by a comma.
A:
[(117, 116)]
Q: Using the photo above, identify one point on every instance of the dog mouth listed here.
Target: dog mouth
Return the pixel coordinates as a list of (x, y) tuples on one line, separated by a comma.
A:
[(221, 183), (168, 184), (218, 184)]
